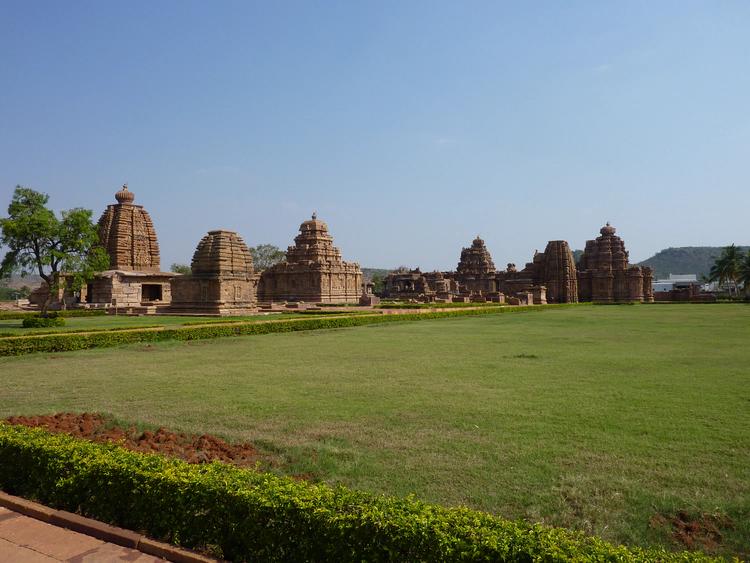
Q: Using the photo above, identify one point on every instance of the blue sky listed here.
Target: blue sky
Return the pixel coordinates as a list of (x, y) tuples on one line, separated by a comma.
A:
[(410, 127)]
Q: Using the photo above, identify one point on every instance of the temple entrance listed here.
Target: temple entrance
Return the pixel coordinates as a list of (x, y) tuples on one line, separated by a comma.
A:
[(151, 292)]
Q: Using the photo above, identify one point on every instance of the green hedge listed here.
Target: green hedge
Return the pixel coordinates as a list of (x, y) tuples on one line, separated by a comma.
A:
[(68, 342), (243, 515), (10, 315), (9, 334), (43, 322)]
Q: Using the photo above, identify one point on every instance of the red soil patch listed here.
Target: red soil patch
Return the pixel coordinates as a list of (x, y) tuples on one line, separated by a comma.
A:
[(187, 447), (702, 530)]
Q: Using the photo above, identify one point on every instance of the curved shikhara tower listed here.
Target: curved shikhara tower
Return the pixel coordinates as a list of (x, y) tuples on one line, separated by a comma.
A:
[(127, 233), (133, 281)]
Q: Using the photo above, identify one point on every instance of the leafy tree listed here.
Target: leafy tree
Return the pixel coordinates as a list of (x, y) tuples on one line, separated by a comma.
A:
[(377, 279), (39, 242), (182, 269), (727, 268), (265, 255)]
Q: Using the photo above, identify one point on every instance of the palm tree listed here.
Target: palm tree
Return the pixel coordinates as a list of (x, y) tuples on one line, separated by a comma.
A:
[(744, 273), (727, 268)]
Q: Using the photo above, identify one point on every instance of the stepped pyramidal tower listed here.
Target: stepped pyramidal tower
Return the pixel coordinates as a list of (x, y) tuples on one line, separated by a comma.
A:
[(313, 271), (222, 281)]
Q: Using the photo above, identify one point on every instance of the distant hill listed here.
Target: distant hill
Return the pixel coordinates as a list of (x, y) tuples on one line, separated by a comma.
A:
[(683, 260), (367, 273), (17, 281)]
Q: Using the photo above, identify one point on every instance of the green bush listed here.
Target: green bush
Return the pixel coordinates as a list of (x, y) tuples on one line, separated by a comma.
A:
[(10, 315), (243, 515), (43, 322)]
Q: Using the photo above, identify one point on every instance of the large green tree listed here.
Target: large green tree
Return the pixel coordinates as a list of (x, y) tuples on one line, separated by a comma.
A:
[(265, 255), (726, 270), (41, 243)]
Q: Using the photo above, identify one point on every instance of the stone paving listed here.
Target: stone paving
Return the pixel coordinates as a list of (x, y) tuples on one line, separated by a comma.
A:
[(27, 540), (33, 533)]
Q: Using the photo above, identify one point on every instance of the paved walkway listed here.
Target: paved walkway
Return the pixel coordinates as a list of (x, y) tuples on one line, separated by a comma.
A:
[(32, 533), (27, 540)]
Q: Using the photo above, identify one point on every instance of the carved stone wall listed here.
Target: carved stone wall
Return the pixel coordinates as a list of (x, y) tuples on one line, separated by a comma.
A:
[(222, 280), (313, 271)]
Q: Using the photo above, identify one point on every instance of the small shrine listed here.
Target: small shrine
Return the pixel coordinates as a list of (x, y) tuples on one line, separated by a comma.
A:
[(222, 279)]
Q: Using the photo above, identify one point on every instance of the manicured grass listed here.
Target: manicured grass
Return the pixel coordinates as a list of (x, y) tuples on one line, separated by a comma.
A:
[(109, 322), (596, 418)]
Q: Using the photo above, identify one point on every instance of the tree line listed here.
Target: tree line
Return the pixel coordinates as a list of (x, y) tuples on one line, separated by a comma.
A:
[(732, 268)]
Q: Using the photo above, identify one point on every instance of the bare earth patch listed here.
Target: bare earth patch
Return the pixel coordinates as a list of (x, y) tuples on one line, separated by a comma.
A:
[(187, 447), (699, 531)]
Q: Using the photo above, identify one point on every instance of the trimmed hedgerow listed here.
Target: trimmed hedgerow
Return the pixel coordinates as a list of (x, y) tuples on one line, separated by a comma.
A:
[(244, 515), (67, 342), (9, 334), (43, 322), (10, 315)]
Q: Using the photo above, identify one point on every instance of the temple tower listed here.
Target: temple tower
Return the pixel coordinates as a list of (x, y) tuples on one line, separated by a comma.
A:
[(313, 271), (127, 234), (559, 273), (222, 281), (475, 270), (605, 275)]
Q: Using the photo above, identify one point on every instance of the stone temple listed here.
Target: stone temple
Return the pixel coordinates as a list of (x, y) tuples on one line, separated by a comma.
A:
[(605, 276), (313, 271), (476, 270), (134, 278), (222, 281)]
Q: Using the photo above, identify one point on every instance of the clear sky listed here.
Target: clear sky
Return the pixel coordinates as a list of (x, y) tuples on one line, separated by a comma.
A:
[(410, 127)]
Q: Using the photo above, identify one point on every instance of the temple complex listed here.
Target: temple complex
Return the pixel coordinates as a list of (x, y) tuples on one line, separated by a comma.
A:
[(134, 278), (605, 276), (222, 279), (313, 271)]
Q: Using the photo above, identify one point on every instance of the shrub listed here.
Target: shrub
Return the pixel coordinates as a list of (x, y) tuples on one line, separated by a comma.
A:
[(243, 515), (9, 315), (43, 322)]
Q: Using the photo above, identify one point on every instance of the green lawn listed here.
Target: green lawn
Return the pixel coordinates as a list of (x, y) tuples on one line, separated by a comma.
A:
[(596, 418), (109, 322)]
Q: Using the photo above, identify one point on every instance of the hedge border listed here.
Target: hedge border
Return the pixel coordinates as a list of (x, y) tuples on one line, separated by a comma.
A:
[(67, 342), (243, 515)]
